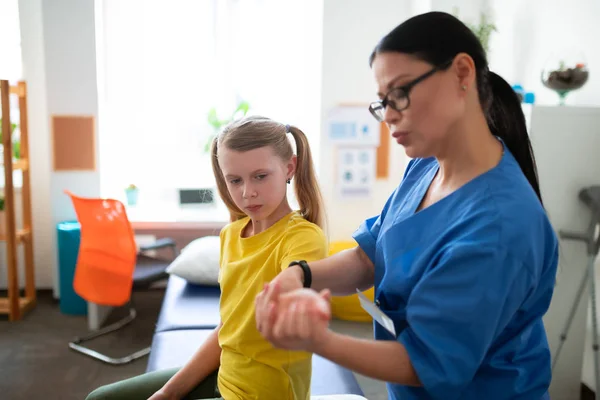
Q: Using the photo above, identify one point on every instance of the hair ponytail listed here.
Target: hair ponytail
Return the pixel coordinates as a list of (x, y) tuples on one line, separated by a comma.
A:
[(507, 121), (234, 212), (306, 185)]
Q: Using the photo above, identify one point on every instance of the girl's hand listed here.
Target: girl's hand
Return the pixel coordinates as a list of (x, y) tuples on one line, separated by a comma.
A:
[(288, 280), (301, 320)]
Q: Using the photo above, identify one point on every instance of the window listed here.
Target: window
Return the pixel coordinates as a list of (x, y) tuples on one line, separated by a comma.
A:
[(10, 40), (11, 69), (162, 66)]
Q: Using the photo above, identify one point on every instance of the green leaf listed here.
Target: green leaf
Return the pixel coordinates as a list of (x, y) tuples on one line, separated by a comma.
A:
[(17, 149), (213, 120), (243, 108), (483, 30), (13, 126)]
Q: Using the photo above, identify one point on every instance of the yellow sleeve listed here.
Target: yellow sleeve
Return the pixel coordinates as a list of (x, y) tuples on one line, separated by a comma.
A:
[(222, 236), (304, 242)]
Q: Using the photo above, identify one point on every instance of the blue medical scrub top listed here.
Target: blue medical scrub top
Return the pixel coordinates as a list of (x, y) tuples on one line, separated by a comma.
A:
[(466, 282)]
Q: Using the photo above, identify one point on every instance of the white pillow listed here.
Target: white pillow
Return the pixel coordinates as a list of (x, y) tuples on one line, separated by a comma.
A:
[(198, 262)]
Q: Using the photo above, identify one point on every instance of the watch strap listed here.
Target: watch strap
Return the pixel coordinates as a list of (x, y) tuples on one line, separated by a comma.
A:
[(306, 270)]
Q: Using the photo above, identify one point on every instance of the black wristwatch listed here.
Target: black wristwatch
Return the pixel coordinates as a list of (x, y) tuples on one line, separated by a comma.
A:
[(306, 269)]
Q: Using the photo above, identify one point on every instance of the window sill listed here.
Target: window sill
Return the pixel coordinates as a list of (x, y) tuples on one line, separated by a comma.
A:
[(174, 216)]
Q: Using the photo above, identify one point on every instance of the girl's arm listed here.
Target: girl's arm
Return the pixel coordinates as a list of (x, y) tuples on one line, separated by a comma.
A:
[(204, 362), (341, 273)]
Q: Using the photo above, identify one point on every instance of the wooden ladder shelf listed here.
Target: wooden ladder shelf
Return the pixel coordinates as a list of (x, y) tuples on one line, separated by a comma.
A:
[(15, 305)]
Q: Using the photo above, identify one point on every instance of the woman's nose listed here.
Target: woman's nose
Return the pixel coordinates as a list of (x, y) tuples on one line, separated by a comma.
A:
[(391, 116)]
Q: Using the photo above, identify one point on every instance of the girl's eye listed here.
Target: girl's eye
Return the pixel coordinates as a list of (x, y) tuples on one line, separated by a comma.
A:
[(235, 181), (261, 177)]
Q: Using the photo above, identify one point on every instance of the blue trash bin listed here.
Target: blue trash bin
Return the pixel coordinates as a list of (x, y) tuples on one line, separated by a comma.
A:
[(69, 234)]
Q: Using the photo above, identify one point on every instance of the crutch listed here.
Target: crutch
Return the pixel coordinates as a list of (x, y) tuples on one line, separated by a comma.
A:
[(590, 196)]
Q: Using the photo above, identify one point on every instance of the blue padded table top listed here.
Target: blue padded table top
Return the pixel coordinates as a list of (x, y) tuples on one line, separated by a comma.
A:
[(188, 306), (174, 348)]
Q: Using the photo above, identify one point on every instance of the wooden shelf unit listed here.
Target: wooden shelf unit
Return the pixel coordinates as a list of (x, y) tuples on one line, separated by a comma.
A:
[(15, 305)]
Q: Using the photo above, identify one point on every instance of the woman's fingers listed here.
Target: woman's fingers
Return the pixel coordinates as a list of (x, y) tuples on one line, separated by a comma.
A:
[(273, 314), (272, 292), (266, 327), (319, 302), (260, 308), (278, 325), (300, 317), (325, 307), (291, 321), (304, 321), (283, 322), (263, 311), (271, 306)]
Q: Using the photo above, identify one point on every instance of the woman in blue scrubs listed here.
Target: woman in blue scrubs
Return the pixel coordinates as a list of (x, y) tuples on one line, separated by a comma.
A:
[(462, 256)]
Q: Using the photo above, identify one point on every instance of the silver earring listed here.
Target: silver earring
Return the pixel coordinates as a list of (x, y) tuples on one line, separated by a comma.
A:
[(464, 87)]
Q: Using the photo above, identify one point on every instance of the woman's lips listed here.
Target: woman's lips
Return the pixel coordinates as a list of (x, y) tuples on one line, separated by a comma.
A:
[(400, 136)]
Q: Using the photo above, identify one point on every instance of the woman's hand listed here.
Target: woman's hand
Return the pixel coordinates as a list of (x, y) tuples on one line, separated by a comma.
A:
[(298, 320), (302, 321), (288, 280)]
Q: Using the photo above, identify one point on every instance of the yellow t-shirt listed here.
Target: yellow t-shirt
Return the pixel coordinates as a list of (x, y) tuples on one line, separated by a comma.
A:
[(251, 368)]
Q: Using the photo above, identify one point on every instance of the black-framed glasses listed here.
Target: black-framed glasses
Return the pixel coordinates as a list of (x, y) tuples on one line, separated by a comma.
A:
[(398, 97)]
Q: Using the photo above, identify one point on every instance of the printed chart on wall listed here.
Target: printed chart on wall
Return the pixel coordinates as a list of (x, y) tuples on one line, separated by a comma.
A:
[(356, 171), (355, 136)]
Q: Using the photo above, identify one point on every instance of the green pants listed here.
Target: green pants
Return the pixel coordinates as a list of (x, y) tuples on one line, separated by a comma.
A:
[(143, 386)]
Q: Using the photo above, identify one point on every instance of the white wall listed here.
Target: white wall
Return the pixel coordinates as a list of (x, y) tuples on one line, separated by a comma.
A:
[(34, 73), (351, 29), (468, 10), (70, 49), (10, 66), (565, 141), (530, 31), (59, 66)]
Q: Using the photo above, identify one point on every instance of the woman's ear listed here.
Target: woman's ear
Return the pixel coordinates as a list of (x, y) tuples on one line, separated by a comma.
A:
[(291, 167), (464, 68)]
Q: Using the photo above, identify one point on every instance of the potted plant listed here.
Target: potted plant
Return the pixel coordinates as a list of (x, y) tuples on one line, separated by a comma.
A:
[(16, 149), (217, 124), (132, 191), (483, 30), (16, 144)]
